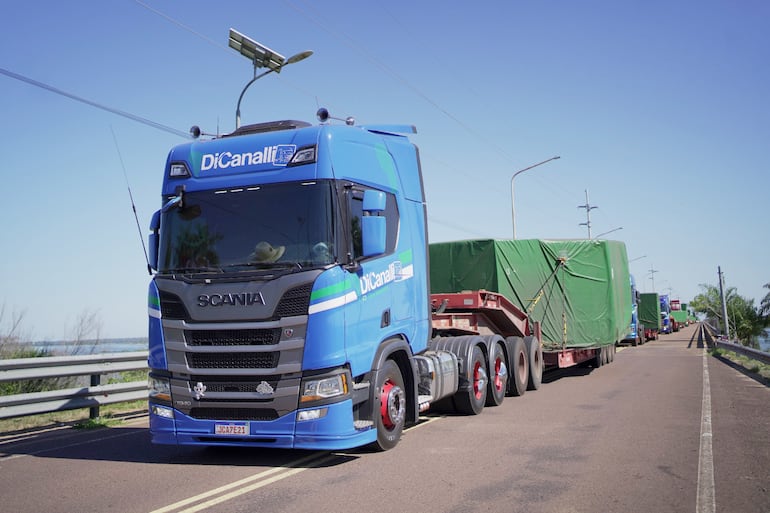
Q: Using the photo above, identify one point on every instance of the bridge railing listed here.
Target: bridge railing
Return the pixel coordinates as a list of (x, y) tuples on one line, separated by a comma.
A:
[(750, 352), (92, 396)]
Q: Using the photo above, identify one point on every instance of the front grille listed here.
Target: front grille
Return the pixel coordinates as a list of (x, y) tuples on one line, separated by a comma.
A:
[(294, 302), (244, 387), (172, 307), (233, 413), (259, 337), (232, 360)]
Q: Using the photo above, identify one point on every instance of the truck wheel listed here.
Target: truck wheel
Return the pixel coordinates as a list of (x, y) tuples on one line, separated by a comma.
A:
[(471, 401), (535, 354), (599, 358), (498, 375), (390, 417), (519, 365)]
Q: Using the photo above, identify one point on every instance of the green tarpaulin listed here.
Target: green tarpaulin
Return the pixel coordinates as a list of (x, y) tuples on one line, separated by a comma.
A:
[(649, 310), (679, 316), (585, 302)]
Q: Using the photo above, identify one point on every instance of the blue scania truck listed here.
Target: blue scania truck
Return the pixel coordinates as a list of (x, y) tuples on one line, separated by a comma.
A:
[(290, 304)]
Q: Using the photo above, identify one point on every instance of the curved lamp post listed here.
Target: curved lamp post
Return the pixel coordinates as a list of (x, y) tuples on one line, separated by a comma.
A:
[(261, 57), (605, 233), (517, 173)]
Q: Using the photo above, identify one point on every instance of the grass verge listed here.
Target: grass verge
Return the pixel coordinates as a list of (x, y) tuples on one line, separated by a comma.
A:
[(760, 371), (110, 415)]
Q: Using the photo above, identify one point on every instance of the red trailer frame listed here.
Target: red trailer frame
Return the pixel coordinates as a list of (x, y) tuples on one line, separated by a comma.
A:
[(480, 312)]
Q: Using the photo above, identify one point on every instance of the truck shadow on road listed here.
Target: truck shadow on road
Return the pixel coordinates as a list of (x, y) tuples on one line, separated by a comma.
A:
[(131, 444), (702, 341), (569, 372)]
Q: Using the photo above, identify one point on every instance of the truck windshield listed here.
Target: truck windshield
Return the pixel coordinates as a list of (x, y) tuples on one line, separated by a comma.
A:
[(242, 228)]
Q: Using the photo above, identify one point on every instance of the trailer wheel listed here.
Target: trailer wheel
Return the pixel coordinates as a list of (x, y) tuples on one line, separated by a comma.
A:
[(535, 353), (498, 375), (390, 417), (519, 365), (599, 358), (471, 401)]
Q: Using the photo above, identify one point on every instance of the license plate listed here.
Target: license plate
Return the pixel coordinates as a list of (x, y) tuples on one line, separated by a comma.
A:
[(240, 429)]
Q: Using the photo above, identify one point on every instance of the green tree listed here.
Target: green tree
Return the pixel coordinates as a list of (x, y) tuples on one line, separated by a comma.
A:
[(765, 304), (746, 320)]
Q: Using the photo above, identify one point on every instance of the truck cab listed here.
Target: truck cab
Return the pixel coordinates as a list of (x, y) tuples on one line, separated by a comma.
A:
[(290, 264)]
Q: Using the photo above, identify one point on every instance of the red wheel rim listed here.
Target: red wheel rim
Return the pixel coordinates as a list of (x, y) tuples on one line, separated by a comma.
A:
[(478, 382), (387, 387), (499, 384)]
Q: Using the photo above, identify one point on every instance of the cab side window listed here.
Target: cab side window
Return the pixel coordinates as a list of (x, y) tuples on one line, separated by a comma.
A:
[(356, 212)]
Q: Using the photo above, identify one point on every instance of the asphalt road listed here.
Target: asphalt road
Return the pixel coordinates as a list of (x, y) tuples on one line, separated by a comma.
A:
[(632, 436)]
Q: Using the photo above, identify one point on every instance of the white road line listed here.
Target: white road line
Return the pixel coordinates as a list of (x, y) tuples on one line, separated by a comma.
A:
[(243, 485), (706, 498), (251, 483)]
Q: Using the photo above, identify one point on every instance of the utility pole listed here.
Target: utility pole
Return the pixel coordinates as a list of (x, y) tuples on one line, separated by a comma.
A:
[(652, 277), (724, 301), (588, 208)]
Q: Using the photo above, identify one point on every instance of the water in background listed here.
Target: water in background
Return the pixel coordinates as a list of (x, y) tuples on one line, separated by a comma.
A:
[(764, 342), (110, 345)]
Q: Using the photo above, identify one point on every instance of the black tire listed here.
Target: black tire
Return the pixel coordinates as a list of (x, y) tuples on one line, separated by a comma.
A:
[(390, 406), (498, 375), (518, 365), (598, 360), (635, 342), (471, 399), (535, 356)]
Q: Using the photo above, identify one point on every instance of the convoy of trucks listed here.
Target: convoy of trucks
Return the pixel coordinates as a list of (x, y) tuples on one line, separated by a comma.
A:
[(679, 315), (666, 324), (650, 315), (636, 333), (296, 302)]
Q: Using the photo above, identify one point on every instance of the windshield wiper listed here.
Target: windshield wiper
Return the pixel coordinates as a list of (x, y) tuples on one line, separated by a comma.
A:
[(267, 265), (201, 269)]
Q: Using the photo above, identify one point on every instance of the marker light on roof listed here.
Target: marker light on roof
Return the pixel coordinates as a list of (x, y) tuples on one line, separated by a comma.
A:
[(178, 171), (303, 156)]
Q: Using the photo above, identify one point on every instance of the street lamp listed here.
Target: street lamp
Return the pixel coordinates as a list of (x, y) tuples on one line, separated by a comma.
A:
[(517, 173), (261, 57), (637, 258), (605, 233)]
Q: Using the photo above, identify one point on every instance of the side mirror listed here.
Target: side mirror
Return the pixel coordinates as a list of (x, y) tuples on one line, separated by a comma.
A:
[(373, 225), (154, 241)]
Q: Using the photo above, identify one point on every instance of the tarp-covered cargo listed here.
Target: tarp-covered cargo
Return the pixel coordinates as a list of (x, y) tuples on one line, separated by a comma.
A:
[(680, 316), (649, 310), (590, 292)]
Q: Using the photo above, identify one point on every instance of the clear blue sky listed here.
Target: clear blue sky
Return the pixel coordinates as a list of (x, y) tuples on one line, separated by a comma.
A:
[(659, 109)]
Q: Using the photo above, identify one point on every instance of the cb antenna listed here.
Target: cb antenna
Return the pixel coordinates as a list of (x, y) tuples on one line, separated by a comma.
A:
[(133, 205)]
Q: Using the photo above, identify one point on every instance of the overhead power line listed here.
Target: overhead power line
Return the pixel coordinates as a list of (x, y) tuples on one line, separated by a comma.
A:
[(71, 96)]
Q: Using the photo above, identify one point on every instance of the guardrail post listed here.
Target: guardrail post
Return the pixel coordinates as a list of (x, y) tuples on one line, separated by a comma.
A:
[(96, 380)]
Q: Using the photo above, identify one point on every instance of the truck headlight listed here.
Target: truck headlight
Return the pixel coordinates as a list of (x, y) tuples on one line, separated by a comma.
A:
[(160, 389), (317, 389)]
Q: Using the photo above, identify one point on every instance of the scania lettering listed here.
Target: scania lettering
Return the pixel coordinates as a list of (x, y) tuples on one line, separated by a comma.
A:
[(244, 299), (290, 303)]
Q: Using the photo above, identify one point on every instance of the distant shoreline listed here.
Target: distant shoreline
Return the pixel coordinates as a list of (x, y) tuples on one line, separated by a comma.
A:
[(107, 345)]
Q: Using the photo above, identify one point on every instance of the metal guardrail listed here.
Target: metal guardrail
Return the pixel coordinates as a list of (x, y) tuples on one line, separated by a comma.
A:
[(750, 352), (92, 396), (754, 354)]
